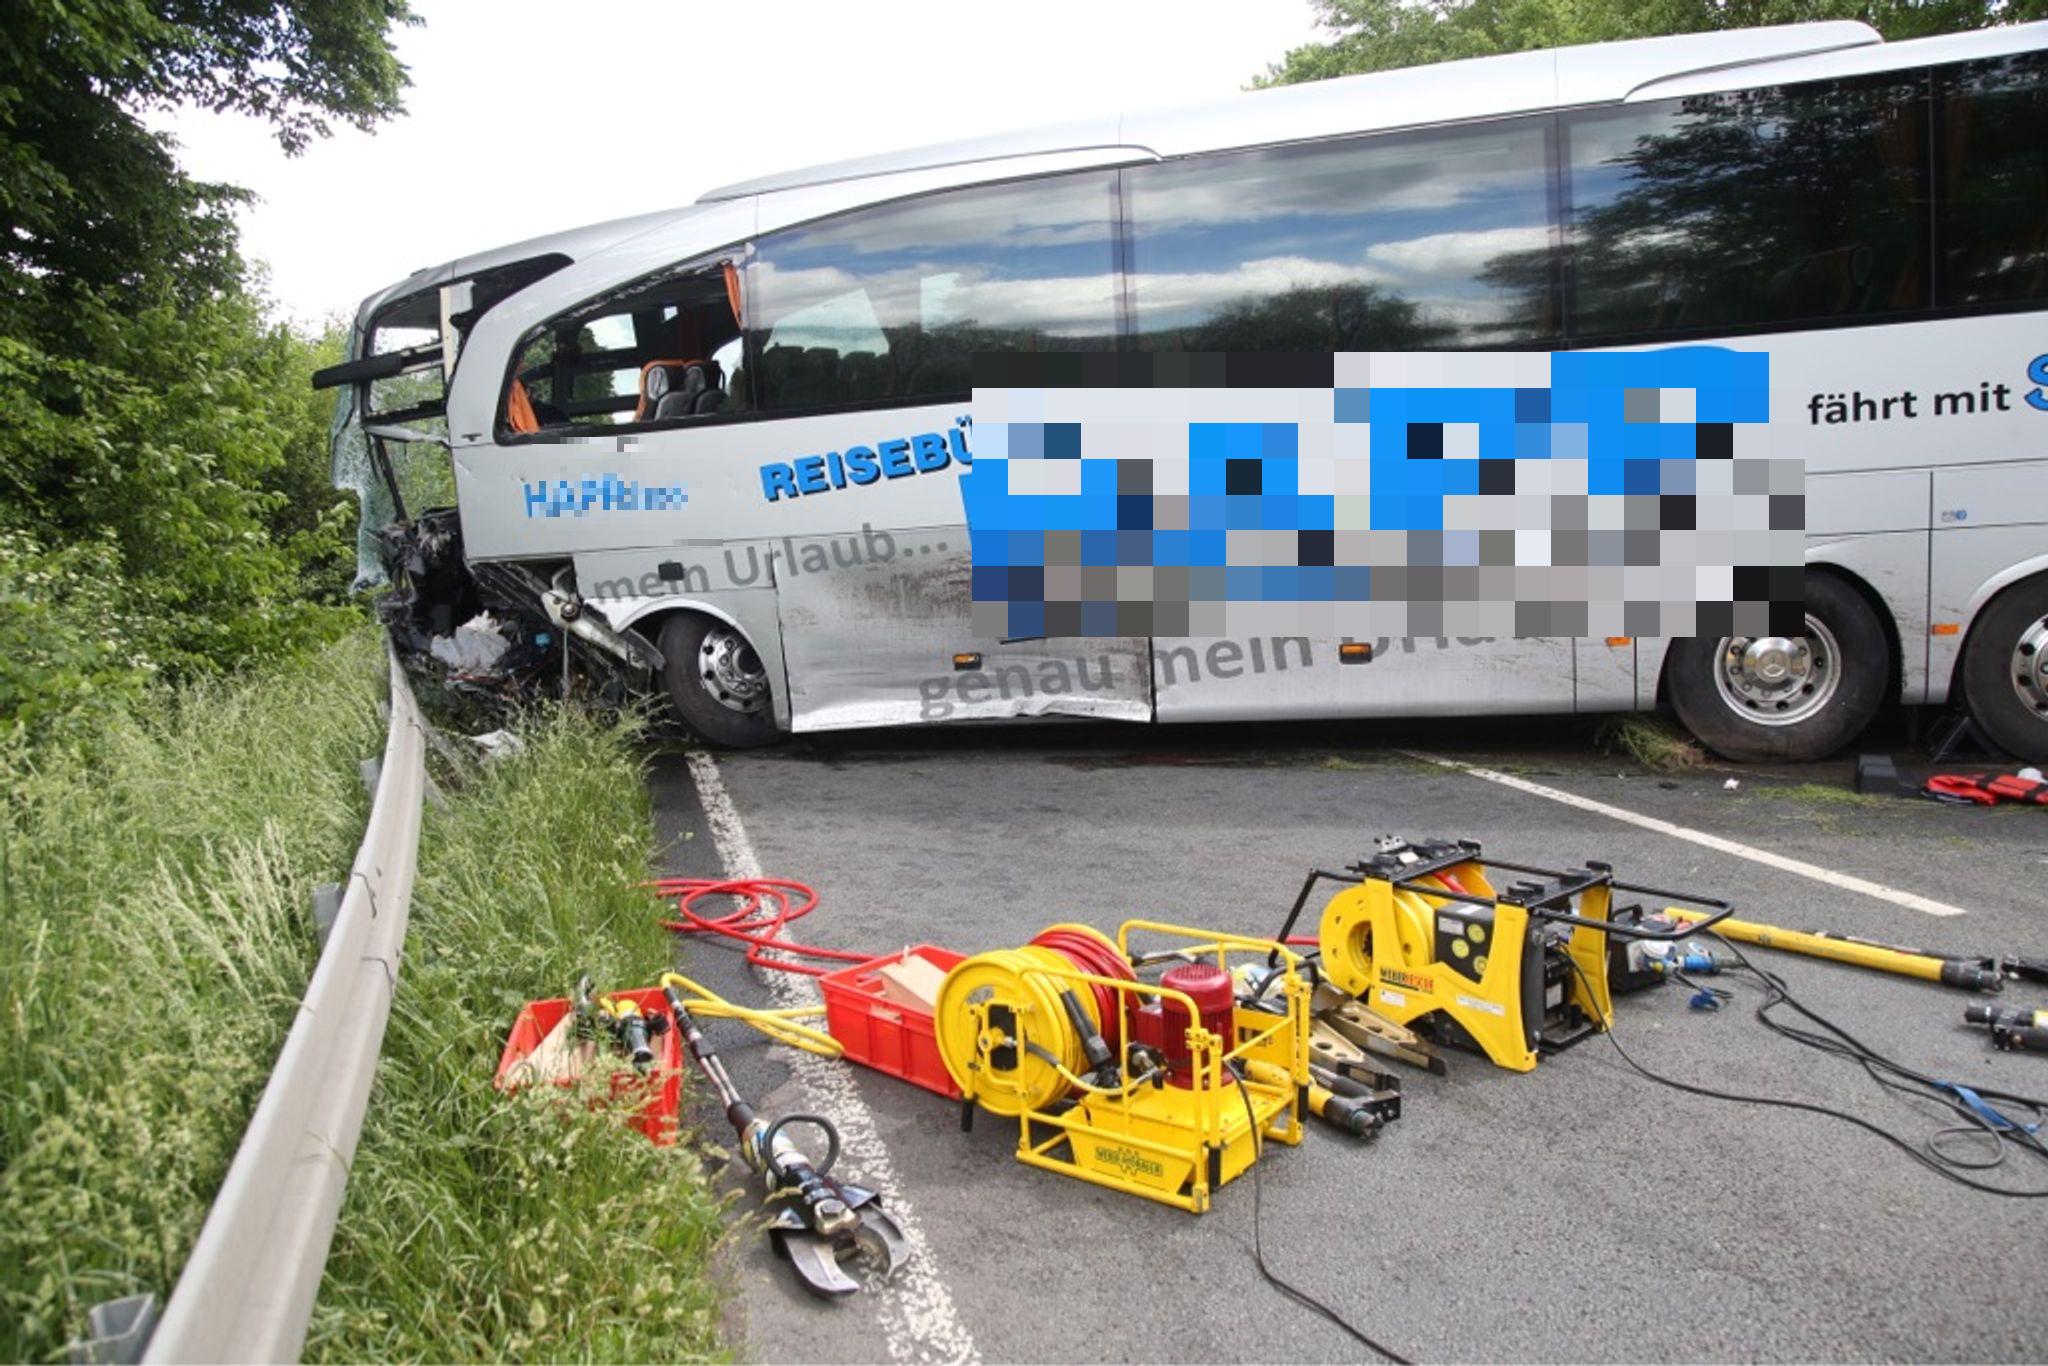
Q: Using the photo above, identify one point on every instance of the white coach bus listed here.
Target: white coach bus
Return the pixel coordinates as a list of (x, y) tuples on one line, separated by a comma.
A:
[(726, 439)]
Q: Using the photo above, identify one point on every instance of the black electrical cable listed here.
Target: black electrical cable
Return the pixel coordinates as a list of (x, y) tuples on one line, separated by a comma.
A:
[(1846, 1045), (1299, 1296), (1907, 1081)]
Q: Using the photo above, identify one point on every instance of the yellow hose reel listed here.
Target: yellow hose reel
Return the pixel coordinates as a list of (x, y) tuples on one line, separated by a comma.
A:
[(1140, 1087), (982, 1006), (1515, 968)]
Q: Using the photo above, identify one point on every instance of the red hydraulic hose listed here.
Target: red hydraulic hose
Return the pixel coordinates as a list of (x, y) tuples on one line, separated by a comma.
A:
[(766, 907)]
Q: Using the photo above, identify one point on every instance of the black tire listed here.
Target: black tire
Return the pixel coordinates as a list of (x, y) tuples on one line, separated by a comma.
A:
[(700, 659), (1764, 721), (2004, 685)]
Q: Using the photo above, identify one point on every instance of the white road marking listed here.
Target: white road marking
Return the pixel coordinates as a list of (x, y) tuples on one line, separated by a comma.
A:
[(1912, 901), (915, 1307)]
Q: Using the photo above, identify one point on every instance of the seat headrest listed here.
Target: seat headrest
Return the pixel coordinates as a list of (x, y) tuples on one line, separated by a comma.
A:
[(668, 376)]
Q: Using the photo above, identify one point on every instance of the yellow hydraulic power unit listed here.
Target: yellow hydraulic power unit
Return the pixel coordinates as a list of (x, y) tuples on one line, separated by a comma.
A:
[(1514, 969), (1165, 1090)]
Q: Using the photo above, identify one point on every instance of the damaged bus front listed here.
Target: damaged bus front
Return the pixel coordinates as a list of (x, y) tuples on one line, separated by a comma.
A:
[(498, 632), (628, 434)]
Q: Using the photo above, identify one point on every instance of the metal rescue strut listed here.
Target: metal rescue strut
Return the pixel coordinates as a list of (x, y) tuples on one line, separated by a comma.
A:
[(818, 1222), (1971, 972)]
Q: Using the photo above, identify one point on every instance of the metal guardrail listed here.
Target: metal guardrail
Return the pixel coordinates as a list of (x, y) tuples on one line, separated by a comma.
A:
[(247, 1290)]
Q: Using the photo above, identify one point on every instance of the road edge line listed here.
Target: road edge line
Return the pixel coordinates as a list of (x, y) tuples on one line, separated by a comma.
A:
[(1849, 882), (915, 1307)]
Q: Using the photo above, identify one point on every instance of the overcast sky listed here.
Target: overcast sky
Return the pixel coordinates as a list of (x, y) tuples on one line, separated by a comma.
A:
[(526, 116)]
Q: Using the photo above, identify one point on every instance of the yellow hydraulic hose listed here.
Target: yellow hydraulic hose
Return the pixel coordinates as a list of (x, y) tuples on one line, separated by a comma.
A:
[(1952, 972), (779, 1025)]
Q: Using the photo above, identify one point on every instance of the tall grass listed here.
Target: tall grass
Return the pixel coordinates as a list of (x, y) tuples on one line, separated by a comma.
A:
[(154, 939), (154, 903), (478, 1226)]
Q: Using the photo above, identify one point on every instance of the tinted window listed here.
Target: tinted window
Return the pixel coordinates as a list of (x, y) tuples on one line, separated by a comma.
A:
[(1385, 243), (1756, 207), (893, 301), (1991, 181)]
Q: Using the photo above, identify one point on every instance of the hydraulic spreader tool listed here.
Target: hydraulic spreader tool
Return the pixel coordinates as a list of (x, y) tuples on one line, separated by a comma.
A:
[(1425, 938), (816, 1222)]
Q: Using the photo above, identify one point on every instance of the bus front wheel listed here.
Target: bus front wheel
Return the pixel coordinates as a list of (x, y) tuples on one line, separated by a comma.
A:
[(716, 682), (2005, 670), (1796, 698)]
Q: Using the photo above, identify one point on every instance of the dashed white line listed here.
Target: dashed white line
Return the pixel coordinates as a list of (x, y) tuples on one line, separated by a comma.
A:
[(1912, 901), (915, 1308)]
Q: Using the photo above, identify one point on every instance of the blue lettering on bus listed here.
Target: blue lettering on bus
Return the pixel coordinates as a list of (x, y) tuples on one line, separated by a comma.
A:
[(2037, 371), (896, 458), (599, 493)]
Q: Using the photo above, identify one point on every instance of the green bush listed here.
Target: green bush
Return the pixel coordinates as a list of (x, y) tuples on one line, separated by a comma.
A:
[(182, 469), (71, 651)]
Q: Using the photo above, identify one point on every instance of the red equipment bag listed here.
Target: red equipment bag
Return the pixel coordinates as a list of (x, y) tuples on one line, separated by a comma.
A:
[(1987, 790)]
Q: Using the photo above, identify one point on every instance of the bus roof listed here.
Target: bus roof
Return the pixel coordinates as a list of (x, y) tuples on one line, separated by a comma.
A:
[(1448, 92), (1483, 87)]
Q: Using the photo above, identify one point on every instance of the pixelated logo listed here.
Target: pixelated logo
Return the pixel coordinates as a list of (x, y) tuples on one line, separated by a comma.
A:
[(1388, 494), (598, 493)]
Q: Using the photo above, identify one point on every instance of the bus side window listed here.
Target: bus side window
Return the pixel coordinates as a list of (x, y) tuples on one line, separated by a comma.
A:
[(892, 301), (1991, 180), (1782, 204), (659, 351), (1391, 242)]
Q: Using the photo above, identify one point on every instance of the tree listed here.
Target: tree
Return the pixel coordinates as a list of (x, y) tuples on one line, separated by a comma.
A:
[(1379, 35), (90, 197), (164, 500)]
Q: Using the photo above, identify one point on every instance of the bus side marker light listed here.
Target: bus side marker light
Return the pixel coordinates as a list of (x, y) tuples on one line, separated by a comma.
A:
[(963, 663), (1354, 652), (1618, 641), (1945, 628)]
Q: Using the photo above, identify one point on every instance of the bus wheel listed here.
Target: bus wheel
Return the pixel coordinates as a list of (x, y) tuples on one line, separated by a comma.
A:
[(717, 682), (2005, 670), (1785, 697)]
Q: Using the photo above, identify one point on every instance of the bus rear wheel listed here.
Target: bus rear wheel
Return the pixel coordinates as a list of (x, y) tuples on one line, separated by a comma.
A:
[(1751, 698), (2005, 670), (716, 682)]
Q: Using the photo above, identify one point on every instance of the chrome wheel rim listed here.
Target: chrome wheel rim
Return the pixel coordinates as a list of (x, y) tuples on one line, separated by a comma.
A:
[(731, 672), (2030, 668), (1779, 680)]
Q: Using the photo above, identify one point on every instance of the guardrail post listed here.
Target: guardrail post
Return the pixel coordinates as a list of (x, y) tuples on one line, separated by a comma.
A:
[(326, 906), (120, 1330)]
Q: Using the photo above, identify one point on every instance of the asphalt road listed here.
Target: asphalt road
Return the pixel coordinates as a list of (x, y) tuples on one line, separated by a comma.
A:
[(1576, 1213)]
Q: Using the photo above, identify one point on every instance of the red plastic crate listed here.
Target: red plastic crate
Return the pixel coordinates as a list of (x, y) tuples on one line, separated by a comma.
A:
[(659, 1093), (881, 1034)]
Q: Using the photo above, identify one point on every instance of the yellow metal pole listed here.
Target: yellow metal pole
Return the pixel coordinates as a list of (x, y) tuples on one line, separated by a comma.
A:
[(1951, 972)]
